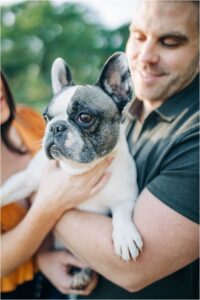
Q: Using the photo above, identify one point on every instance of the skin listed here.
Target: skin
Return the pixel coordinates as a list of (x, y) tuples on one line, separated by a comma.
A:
[(161, 39), (21, 243), (5, 112), (158, 72), (55, 265)]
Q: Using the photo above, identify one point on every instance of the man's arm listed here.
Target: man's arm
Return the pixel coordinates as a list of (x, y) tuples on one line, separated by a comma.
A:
[(170, 242)]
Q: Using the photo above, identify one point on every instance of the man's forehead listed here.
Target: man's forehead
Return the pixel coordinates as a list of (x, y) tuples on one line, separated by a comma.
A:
[(165, 15)]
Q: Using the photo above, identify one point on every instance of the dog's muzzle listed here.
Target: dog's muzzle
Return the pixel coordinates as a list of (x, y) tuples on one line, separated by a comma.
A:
[(57, 128), (57, 133), (51, 150)]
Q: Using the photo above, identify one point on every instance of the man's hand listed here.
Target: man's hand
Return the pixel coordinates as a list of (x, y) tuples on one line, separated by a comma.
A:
[(55, 266)]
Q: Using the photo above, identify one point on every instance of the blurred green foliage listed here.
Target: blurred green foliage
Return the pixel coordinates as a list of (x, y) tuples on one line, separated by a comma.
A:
[(34, 33)]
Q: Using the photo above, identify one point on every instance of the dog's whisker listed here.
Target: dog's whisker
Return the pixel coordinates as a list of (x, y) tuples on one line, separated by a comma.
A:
[(37, 142), (41, 106), (80, 133)]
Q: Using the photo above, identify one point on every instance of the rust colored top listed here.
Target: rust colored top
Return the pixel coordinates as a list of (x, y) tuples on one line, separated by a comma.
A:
[(30, 126)]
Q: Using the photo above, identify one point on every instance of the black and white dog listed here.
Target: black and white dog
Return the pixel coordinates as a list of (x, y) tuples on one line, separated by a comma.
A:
[(83, 127)]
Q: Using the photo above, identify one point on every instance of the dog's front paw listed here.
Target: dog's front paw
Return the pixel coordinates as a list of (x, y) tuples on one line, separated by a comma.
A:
[(127, 241), (81, 279)]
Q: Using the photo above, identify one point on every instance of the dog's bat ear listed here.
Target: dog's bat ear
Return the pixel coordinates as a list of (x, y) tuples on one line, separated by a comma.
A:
[(60, 75), (115, 79)]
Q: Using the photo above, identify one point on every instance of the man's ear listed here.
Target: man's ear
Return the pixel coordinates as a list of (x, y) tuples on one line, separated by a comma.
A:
[(115, 79), (60, 75)]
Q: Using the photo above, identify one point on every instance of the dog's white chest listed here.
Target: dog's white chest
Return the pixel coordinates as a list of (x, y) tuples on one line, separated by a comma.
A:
[(121, 186)]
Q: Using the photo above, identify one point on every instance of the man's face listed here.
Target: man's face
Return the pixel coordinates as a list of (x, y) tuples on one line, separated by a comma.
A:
[(163, 48)]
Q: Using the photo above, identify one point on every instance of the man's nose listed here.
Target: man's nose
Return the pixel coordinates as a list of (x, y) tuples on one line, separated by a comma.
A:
[(57, 127), (149, 53)]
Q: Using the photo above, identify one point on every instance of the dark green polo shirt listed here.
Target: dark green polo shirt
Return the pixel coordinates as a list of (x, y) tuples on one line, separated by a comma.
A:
[(165, 148)]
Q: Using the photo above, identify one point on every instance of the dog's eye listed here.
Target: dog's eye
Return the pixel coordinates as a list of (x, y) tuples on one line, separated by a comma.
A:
[(85, 119)]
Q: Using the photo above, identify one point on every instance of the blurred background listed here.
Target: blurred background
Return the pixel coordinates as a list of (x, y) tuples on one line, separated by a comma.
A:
[(35, 32)]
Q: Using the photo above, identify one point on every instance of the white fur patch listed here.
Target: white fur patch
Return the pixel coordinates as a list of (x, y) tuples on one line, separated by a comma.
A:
[(61, 102), (70, 140), (122, 60), (59, 75)]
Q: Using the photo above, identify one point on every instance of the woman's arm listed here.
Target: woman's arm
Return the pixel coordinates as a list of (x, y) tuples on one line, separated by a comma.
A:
[(170, 242), (19, 244)]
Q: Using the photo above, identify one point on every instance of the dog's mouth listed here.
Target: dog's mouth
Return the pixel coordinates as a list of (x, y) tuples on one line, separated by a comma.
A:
[(53, 152)]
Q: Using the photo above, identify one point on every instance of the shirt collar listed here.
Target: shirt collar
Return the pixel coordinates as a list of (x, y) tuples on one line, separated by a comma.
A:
[(172, 107)]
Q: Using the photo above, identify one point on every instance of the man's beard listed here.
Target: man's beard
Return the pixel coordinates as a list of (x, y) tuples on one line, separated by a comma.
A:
[(186, 78), (174, 85)]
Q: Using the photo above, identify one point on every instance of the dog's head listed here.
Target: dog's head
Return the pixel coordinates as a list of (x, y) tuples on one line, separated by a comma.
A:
[(83, 122)]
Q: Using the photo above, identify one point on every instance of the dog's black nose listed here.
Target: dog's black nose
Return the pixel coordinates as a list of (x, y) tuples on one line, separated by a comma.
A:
[(57, 127)]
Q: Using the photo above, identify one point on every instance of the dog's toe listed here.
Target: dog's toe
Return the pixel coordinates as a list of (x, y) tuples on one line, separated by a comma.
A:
[(127, 243), (81, 280)]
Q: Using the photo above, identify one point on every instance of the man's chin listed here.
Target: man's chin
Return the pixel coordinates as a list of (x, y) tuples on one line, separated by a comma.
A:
[(149, 87), (148, 94)]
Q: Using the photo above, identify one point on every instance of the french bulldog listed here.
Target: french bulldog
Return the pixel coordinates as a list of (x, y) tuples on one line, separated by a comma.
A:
[(84, 127)]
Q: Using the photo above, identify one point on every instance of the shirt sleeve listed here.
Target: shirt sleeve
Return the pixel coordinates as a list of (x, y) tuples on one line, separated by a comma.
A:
[(177, 182)]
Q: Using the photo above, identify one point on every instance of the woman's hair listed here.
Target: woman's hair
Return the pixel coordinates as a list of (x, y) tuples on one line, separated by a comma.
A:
[(5, 127)]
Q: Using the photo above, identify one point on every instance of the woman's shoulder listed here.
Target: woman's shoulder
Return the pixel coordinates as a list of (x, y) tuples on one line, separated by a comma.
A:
[(27, 113), (30, 124), (29, 117)]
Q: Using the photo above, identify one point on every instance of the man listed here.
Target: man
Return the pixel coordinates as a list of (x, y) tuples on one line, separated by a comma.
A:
[(163, 57)]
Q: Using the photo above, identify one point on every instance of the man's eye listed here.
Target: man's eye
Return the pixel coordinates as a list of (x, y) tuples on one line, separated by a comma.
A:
[(169, 42), (85, 119)]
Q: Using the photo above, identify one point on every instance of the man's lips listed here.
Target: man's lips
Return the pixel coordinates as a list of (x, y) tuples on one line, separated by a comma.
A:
[(150, 76)]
